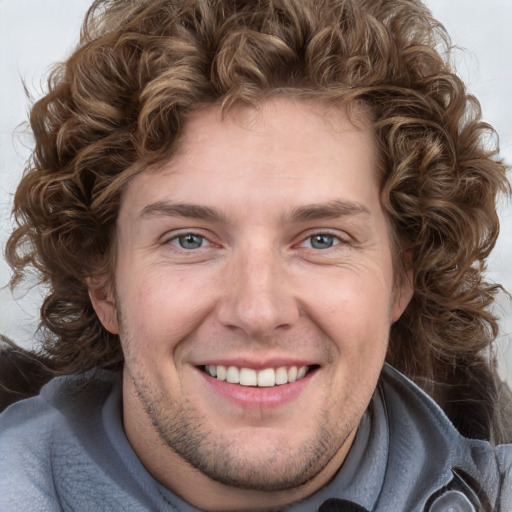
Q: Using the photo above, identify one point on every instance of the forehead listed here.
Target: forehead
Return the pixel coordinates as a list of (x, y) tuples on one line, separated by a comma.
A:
[(285, 152), (307, 127)]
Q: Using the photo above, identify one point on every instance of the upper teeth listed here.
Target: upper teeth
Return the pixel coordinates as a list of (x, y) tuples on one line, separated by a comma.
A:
[(263, 378)]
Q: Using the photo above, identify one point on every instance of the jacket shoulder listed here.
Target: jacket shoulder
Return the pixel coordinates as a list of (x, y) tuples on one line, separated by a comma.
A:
[(442, 459), (38, 435), (28, 431)]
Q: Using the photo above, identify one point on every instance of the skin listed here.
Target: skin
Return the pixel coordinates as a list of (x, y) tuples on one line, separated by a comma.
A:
[(260, 291)]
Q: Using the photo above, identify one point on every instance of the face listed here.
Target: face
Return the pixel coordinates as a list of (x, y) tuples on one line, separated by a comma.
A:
[(254, 297)]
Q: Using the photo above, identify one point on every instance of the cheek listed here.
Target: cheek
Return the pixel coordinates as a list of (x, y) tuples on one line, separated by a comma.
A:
[(159, 309), (352, 302)]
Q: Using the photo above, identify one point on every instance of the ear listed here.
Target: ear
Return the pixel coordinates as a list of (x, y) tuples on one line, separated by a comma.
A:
[(103, 302), (402, 295)]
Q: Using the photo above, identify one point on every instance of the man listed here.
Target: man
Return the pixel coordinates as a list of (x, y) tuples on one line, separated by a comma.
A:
[(242, 210)]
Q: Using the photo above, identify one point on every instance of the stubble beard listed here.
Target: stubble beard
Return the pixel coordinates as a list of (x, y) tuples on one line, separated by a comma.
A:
[(184, 431)]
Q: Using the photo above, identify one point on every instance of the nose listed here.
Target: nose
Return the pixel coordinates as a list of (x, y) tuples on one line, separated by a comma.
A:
[(258, 295)]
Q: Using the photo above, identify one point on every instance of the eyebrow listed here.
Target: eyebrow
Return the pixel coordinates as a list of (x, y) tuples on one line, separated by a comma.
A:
[(305, 213), (330, 210), (190, 211)]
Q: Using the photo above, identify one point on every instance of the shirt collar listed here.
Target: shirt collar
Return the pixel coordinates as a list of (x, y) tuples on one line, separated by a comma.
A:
[(360, 478)]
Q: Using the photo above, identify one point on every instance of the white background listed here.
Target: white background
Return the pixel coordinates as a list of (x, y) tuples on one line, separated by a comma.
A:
[(36, 33)]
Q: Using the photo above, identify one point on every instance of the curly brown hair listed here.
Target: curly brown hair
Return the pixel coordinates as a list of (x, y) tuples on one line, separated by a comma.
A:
[(120, 102)]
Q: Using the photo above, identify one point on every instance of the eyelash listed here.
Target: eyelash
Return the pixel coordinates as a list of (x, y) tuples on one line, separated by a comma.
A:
[(336, 239), (175, 241)]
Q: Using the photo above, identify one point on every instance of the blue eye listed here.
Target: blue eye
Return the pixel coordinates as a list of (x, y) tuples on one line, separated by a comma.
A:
[(189, 241), (322, 241)]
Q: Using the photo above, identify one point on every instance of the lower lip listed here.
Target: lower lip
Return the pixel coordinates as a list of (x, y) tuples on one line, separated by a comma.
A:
[(252, 397)]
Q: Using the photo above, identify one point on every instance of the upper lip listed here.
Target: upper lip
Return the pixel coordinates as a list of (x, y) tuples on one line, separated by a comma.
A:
[(257, 364)]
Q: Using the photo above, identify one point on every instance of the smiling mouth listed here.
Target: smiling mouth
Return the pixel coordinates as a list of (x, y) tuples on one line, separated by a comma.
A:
[(268, 377)]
